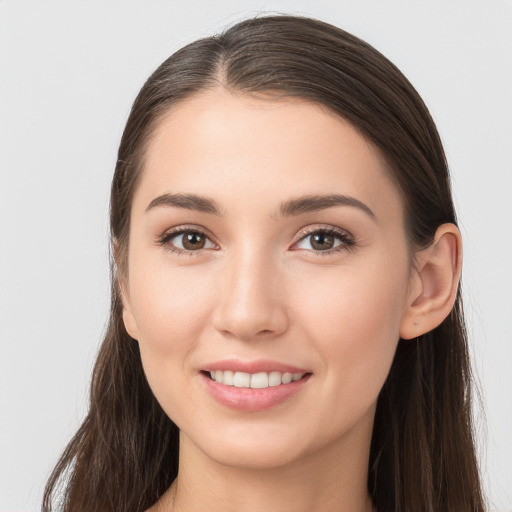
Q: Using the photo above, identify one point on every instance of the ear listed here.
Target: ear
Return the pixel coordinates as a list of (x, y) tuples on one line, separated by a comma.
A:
[(128, 318), (124, 289), (434, 283)]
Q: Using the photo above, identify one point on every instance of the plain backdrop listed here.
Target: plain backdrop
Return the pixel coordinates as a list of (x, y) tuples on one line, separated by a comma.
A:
[(69, 71)]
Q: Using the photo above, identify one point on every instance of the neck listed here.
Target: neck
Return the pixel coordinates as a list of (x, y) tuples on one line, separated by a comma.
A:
[(332, 479)]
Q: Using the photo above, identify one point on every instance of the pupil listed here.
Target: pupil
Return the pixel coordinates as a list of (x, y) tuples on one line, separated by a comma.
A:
[(322, 241)]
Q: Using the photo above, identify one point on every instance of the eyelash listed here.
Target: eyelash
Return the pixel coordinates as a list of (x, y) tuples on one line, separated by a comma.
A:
[(347, 240)]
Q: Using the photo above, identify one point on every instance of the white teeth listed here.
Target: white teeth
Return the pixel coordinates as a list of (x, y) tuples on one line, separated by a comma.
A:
[(228, 378), (287, 378), (259, 380), (274, 379), (241, 380), (255, 380)]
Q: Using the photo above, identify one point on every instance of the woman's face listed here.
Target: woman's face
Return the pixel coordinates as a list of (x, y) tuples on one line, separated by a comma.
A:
[(266, 239)]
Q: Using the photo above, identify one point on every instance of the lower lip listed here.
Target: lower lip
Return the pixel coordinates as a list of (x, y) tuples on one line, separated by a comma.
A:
[(253, 399)]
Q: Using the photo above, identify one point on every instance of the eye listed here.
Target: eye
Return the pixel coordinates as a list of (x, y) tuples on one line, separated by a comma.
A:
[(325, 240), (186, 240)]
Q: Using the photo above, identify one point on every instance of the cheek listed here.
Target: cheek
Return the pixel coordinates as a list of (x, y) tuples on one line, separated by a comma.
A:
[(354, 315), (169, 304), (171, 308)]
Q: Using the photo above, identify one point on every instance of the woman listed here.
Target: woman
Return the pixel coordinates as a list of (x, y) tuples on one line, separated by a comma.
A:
[(286, 327)]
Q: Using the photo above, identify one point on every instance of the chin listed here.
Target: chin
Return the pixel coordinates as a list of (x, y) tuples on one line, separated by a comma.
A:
[(250, 452), (254, 457)]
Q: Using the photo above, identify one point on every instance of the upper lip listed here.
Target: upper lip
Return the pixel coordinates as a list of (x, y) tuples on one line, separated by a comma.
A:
[(257, 366)]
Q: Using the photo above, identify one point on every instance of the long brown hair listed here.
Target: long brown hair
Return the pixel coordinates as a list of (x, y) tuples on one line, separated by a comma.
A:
[(422, 457)]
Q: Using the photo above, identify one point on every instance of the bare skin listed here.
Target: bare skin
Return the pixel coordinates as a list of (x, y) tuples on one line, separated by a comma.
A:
[(329, 290)]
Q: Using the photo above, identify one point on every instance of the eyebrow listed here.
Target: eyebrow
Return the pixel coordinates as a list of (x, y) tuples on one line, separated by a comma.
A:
[(187, 201), (314, 203), (293, 207)]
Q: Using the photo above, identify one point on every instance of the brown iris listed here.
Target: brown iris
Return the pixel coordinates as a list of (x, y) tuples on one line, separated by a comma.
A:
[(322, 241), (193, 240)]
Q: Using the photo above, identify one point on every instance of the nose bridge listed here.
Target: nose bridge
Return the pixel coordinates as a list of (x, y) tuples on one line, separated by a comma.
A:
[(251, 304)]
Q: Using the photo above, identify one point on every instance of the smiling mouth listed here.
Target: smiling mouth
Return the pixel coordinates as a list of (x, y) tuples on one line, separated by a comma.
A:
[(258, 380)]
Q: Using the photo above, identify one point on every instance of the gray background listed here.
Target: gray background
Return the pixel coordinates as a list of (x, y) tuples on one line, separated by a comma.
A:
[(69, 71)]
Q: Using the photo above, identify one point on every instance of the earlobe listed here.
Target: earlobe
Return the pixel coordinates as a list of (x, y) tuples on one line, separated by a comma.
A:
[(128, 318), (123, 290), (435, 283)]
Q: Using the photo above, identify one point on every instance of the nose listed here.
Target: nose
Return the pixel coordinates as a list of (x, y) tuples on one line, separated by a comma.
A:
[(251, 298)]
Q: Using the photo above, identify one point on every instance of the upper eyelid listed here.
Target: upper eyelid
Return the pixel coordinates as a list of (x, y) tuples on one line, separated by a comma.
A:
[(309, 230), (178, 230)]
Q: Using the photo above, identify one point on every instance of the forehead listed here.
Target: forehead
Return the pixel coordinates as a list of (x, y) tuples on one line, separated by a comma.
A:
[(238, 146)]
